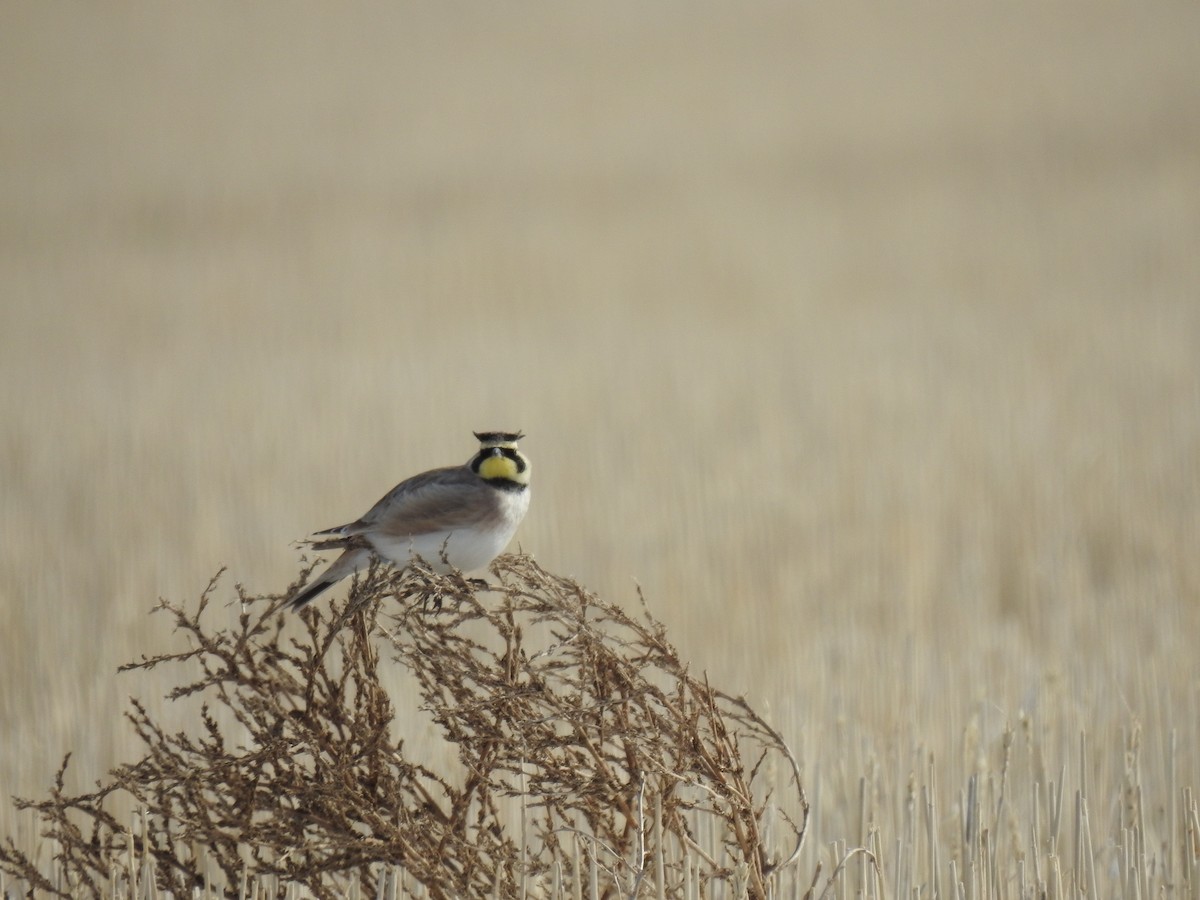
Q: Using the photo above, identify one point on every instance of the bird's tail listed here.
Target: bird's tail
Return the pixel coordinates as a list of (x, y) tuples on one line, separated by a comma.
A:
[(310, 593), (355, 559)]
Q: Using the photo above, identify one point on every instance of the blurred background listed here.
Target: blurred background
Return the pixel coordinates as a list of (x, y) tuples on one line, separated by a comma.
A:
[(865, 341)]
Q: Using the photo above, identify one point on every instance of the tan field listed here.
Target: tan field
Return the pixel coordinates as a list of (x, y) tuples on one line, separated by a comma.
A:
[(866, 341)]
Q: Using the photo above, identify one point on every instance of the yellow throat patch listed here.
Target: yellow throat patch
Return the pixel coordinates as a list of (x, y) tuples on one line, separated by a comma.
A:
[(498, 467)]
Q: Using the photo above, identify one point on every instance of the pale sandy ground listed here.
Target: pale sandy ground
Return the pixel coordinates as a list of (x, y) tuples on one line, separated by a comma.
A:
[(865, 341)]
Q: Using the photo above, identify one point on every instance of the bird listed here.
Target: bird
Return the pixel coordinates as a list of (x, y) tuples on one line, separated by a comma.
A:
[(457, 517)]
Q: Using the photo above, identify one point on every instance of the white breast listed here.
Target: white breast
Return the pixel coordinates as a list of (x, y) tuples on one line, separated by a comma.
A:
[(466, 549)]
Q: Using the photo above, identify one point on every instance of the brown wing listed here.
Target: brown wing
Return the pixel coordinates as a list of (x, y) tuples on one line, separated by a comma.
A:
[(432, 501)]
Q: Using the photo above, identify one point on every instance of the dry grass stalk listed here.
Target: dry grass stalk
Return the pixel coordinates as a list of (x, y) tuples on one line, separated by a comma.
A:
[(582, 712)]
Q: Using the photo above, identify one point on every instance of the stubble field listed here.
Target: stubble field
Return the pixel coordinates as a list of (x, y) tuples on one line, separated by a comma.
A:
[(866, 342)]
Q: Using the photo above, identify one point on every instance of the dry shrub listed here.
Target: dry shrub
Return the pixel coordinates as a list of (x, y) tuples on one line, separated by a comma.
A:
[(577, 715)]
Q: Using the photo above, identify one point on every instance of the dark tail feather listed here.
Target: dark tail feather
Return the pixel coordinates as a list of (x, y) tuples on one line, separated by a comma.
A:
[(314, 590)]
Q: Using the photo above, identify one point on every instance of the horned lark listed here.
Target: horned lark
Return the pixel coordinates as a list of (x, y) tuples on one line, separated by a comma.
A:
[(458, 517)]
